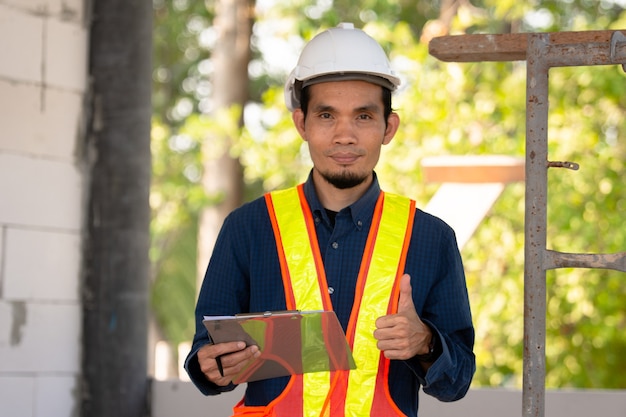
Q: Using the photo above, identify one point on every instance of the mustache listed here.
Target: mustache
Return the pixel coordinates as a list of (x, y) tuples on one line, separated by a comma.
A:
[(338, 150)]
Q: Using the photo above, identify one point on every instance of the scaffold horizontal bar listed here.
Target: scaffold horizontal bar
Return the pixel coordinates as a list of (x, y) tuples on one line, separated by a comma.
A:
[(553, 259), (511, 46)]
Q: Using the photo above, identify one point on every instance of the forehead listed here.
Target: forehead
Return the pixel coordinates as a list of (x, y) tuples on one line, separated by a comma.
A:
[(346, 92)]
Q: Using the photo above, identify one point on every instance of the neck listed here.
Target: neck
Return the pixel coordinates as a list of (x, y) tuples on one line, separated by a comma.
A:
[(335, 199)]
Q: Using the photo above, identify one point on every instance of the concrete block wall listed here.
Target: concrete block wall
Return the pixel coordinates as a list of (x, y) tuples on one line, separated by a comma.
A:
[(43, 79), (169, 398)]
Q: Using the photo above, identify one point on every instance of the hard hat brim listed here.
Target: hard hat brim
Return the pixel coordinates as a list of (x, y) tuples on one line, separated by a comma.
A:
[(293, 86), (350, 76)]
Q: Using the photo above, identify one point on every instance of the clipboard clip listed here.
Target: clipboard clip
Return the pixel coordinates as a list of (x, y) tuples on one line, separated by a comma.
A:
[(268, 313)]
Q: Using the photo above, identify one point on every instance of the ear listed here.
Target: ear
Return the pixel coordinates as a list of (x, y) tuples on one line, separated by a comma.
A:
[(393, 122), (298, 120)]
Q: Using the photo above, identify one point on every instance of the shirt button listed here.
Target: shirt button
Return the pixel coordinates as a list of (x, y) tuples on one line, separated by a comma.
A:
[(335, 245), (359, 223), (331, 290), (317, 220)]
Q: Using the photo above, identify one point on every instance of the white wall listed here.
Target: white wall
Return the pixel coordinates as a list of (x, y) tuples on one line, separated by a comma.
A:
[(170, 398), (43, 73)]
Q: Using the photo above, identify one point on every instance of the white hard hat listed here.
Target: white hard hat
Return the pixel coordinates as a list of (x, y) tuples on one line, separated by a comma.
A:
[(341, 53)]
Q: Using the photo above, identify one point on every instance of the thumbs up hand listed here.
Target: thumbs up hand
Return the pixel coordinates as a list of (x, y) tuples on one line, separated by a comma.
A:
[(403, 335)]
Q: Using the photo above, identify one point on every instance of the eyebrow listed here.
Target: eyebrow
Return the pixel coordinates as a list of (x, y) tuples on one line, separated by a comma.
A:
[(328, 108), (368, 108), (320, 108)]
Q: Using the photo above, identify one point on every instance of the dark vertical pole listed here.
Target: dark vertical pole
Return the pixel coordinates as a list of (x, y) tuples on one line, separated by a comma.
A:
[(116, 263)]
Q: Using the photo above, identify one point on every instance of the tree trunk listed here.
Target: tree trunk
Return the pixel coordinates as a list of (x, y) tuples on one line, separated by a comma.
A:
[(223, 175), (116, 264)]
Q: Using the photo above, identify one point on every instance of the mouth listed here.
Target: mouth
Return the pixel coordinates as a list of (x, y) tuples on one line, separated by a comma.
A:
[(343, 158), (344, 155)]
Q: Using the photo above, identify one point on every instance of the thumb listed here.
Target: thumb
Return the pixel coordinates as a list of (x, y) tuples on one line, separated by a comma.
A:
[(405, 303)]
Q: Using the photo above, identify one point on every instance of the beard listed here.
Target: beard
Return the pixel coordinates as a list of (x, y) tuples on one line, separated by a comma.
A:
[(343, 180)]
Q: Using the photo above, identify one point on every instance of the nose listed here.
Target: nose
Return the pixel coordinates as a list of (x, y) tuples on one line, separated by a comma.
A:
[(344, 131)]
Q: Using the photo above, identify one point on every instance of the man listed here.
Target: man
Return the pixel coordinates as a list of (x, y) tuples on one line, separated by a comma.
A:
[(392, 273)]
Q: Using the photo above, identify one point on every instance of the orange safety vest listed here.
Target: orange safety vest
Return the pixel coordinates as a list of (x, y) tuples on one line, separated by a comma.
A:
[(363, 391)]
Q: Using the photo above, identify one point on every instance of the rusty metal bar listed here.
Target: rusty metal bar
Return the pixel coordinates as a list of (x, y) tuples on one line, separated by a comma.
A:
[(514, 47), (587, 54), (563, 164), (535, 220), (553, 259)]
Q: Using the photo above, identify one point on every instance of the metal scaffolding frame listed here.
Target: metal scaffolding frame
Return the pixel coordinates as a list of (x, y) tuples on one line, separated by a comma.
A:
[(541, 51)]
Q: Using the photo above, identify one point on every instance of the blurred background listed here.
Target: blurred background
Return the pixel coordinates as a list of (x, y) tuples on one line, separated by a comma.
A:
[(446, 109)]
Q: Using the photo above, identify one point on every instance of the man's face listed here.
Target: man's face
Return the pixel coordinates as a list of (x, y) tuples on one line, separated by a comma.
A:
[(345, 129)]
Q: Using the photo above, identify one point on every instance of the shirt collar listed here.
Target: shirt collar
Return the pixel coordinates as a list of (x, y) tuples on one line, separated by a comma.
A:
[(362, 208)]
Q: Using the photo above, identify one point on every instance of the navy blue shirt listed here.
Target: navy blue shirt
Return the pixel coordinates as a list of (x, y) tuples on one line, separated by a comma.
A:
[(244, 275)]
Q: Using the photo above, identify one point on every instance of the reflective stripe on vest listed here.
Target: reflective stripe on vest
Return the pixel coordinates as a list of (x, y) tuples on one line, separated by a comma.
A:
[(385, 252), (345, 393), (303, 274)]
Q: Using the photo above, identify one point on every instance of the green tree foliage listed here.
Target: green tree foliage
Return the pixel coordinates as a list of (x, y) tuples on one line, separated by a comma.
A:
[(446, 108), (180, 87)]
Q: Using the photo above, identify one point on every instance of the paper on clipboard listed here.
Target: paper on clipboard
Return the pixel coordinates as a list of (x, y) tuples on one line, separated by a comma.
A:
[(291, 342)]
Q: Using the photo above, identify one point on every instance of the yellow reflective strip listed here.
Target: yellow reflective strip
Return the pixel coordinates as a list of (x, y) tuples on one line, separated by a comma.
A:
[(297, 249), (375, 301), (304, 282)]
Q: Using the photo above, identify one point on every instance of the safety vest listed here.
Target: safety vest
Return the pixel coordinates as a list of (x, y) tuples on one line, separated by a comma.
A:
[(362, 391)]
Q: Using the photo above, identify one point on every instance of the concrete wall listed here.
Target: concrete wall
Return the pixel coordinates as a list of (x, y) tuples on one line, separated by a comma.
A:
[(171, 398), (43, 78)]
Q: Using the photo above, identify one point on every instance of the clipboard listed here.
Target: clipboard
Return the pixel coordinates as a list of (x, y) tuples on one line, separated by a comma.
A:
[(291, 342)]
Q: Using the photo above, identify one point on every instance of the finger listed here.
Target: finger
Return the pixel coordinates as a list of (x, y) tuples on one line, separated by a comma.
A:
[(231, 361), (208, 353), (405, 303), (211, 351), (235, 362), (395, 325)]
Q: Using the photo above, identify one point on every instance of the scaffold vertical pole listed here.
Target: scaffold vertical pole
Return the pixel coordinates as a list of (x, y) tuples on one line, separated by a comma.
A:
[(535, 224)]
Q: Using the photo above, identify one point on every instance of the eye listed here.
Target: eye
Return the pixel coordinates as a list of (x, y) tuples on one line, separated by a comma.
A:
[(325, 116), (364, 116)]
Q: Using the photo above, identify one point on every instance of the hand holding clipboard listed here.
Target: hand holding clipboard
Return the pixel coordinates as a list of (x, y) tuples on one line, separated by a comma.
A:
[(291, 342)]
